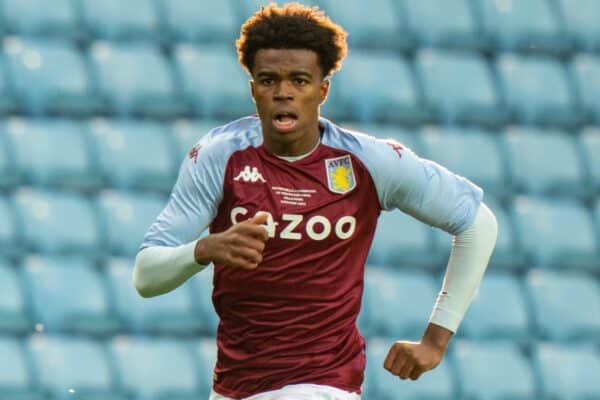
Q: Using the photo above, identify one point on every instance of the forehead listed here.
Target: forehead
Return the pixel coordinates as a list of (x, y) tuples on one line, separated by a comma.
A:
[(283, 61)]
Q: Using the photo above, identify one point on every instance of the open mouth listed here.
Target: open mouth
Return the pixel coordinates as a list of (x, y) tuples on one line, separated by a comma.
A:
[(285, 121)]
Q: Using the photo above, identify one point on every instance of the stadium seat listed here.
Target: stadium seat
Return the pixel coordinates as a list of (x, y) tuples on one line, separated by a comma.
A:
[(201, 289), (566, 304), (126, 217), (35, 143), (156, 369), (493, 370), (247, 8), (10, 245), (16, 382), (585, 69), (213, 81), (401, 240), (73, 367), (40, 18), (8, 171), (167, 314), (589, 142), (408, 295), (68, 295), (459, 86), (8, 103), (57, 222), (581, 22), (380, 25), (407, 137), (511, 26), (188, 132), (205, 21), (205, 353), (134, 154), (568, 371), (443, 24), (388, 91), (13, 313), (129, 92), (556, 233), (498, 310), (537, 90), (472, 153), (434, 385), (544, 162), (120, 20), (507, 253), (50, 76)]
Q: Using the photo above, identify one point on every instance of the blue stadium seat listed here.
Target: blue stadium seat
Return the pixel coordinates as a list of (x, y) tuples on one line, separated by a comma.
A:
[(204, 21), (120, 20), (214, 81), (590, 147), (408, 295), (57, 222), (498, 310), (16, 382), (537, 90), (507, 253), (126, 217), (10, 245), (581, 22), (134, 154), (585, 69), (409, 138), (202, 288), (156, 369), (8, 171), (469, 152), (73, 367), (40, 18), (13, 313), (152, 93), (205, 353), (382, 385), (68, 295), (169, 314), (568, 371), (556, 232), (380, 25), (401, 240), (247, 8), (460, 87), (35, 143), (188, 132), (8, 103), (566, 304), (511, 26), (543, 162), (50, 76), (493, 370), (443, 24), (387, 87)]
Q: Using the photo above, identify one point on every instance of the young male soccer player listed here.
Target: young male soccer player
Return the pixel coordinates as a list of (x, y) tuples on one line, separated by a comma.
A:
[(292, 201)]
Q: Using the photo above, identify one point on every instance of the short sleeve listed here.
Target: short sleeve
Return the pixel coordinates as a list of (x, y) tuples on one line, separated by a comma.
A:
[(193, 202), (420, 187)]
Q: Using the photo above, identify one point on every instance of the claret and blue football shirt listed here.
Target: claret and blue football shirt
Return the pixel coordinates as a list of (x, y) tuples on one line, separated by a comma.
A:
[(293, 318)]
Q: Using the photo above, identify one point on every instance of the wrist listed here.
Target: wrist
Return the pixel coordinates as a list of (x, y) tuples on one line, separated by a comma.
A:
[(202, 254), (437, 337)]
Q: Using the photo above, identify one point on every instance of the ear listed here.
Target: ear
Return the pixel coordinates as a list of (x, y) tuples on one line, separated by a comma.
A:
[(252, 90), (324, 90)]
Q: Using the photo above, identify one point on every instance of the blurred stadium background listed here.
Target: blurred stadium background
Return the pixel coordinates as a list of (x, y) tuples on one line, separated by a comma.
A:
[(101, 99)]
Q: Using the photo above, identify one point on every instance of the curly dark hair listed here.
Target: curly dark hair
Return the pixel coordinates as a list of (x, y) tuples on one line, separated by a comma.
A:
[(293, 26)]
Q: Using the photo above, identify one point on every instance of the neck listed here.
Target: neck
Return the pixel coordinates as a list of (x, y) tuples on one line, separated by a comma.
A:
[(293, 144)]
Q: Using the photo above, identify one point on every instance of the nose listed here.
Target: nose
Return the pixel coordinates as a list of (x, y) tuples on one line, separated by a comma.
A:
[(283, 91)]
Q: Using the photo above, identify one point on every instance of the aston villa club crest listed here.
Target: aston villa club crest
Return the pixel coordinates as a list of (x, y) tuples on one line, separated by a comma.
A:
[(340, 175)]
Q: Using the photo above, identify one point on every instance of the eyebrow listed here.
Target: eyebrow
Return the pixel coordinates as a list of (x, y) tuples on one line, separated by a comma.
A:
[(268, 73)]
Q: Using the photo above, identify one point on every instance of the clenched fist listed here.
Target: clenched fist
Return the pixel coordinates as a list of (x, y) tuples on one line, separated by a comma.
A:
[(411, 359)]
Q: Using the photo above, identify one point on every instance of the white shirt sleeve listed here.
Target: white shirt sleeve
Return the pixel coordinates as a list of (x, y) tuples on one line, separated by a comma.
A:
[(469, 257)]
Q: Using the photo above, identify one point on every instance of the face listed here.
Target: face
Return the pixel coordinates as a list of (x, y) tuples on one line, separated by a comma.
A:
[(288, 88)]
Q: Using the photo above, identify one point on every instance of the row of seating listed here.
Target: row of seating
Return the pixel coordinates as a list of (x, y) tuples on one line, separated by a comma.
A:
[(559, 26), (42, 76), (141, 368), (145, 155), (71, 295)]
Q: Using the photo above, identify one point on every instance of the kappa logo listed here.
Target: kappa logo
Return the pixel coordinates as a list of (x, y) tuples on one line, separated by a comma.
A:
[(250, 175), (340, 174)]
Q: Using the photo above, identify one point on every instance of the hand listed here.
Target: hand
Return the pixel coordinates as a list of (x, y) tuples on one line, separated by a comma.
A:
[(240, 246)]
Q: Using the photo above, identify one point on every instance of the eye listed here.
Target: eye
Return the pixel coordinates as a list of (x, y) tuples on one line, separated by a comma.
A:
[(300, 81), (267, 81)]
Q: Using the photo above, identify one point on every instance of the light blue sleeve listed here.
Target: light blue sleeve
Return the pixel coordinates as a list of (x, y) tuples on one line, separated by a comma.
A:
[(418, 187)]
